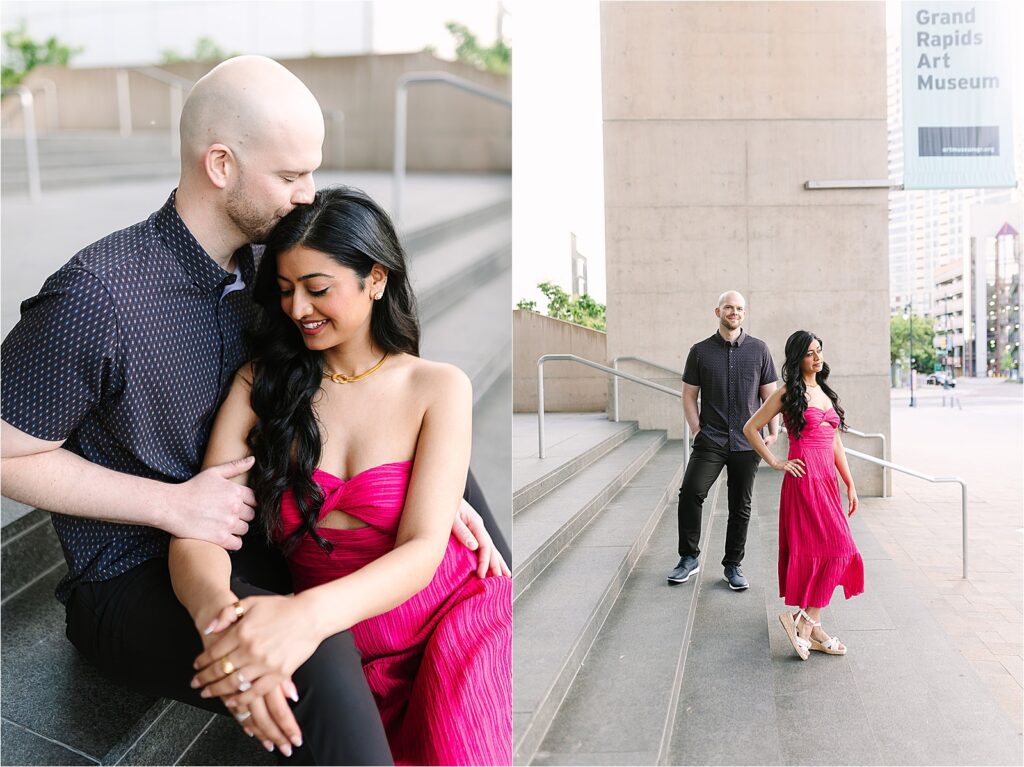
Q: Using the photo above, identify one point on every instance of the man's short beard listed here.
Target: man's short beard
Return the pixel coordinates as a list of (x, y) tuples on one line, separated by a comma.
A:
[(245, 215)]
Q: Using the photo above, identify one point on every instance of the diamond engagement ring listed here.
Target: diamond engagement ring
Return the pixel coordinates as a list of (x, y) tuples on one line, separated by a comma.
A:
[(243, 683)]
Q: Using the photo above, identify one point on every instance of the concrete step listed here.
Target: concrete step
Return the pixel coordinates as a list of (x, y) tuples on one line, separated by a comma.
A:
[(442, 273), (535, 477), (551, 523), (76, 159), (431, 235), (619, 706), (15, 180), (474, 334), (57, 709), (560, 615)]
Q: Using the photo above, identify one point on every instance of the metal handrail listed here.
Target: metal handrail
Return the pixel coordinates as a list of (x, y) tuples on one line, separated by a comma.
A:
[(615, 380), (885, 453), (401, 120), (927, 477), (28, 117), (605, 369), (177, 85)]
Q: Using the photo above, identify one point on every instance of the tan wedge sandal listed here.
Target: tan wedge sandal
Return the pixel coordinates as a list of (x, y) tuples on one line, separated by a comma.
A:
[(801, 645), (829, 647)]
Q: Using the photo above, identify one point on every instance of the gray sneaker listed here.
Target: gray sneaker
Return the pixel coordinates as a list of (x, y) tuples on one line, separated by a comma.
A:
[(734, 576), (687, 566)]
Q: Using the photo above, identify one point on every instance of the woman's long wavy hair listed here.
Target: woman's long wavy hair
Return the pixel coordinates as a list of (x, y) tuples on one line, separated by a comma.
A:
[(345, 224), (794, 401)]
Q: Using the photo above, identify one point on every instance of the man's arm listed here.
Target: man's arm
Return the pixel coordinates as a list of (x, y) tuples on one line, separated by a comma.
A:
[(690, 411), (43, 474), (764, 392)]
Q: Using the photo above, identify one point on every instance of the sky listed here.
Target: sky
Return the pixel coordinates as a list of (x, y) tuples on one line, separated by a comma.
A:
[(557, 159)]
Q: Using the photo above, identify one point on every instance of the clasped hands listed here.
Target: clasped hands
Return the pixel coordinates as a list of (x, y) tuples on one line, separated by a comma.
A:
[(248, 663)]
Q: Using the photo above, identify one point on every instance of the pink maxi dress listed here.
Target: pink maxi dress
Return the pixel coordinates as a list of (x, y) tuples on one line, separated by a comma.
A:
[(816, 548), (440, 664)]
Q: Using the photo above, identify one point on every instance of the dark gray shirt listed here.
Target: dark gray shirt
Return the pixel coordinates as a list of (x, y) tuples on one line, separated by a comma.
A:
[(126, 353), (729, 376)]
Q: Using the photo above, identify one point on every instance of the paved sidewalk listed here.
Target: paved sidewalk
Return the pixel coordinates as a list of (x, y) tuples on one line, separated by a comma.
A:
[(920, 525)]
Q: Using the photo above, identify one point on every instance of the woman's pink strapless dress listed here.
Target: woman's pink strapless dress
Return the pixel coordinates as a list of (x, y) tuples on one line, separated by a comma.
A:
[(816, 548), (439, 664)]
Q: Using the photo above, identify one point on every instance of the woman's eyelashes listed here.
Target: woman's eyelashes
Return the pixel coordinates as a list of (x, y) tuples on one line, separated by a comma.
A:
[(286, 292)]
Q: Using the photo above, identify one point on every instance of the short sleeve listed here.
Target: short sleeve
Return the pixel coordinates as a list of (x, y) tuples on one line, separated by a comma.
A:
[(58, 362), (768, 374), (691, 373)]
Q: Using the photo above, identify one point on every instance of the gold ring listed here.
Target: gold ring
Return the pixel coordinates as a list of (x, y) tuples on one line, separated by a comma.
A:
[(239, 610), (226, 666)]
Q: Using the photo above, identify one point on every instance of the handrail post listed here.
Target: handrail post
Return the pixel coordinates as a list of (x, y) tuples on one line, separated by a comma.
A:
[(28, 117), (398, 161), (615, 392), (540, 408), (177, 101), (124, 104), (963, 523), (401, 120)]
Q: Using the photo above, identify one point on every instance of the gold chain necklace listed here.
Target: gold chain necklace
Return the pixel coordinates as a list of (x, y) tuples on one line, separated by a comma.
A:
[(340, 378)]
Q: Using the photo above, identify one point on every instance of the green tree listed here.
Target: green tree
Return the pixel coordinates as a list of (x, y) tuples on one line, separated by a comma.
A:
[(207, 49), (22, 54), (924, 342), (581, 310), (496, 58)]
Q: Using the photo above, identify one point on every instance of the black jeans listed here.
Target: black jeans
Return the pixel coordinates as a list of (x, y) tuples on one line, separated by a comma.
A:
[(706, 462)]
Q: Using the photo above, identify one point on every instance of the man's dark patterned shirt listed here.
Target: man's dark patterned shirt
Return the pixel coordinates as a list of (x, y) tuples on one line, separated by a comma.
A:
[(125, 354), (729, 376)]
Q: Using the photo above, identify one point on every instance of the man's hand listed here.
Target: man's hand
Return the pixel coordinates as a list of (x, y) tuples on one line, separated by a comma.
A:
[(210, 507), (770, 440), (470, 531)]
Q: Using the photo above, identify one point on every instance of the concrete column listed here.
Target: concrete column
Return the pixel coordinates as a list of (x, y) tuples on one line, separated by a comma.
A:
[(715, 114)]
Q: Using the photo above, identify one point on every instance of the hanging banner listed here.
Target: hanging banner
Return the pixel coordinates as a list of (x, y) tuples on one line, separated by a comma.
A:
[(957, 103)]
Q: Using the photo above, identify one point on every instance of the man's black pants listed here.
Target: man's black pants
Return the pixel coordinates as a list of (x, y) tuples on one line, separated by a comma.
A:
[(135, 631), (706, 462)]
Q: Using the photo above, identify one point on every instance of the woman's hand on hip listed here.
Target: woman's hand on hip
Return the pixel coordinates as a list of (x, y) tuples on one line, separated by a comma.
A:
[(794, 466)]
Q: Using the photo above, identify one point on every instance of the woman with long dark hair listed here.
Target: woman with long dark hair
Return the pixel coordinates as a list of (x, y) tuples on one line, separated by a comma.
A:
[(361, 454), (816, 549)]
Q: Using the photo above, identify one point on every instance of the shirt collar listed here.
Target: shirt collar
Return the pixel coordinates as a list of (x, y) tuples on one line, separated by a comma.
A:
[(204, 271), (735, 344)]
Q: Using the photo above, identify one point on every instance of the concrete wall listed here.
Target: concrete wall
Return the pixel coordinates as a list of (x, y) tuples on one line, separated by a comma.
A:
[(715, 114), (449, 130), (568, 386)]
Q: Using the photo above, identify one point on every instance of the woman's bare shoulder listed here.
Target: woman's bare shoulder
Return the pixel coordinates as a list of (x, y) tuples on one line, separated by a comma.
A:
[(437, 381)]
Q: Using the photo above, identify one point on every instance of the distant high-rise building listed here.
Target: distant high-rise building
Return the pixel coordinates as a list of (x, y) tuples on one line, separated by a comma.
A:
[(932, 260)]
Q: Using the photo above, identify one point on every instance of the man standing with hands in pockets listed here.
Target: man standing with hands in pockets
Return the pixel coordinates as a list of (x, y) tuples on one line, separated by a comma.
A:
[(734, 373)]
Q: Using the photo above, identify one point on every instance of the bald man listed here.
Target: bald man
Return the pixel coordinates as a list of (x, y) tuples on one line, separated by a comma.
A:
[(733, 373), (111, 380)]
